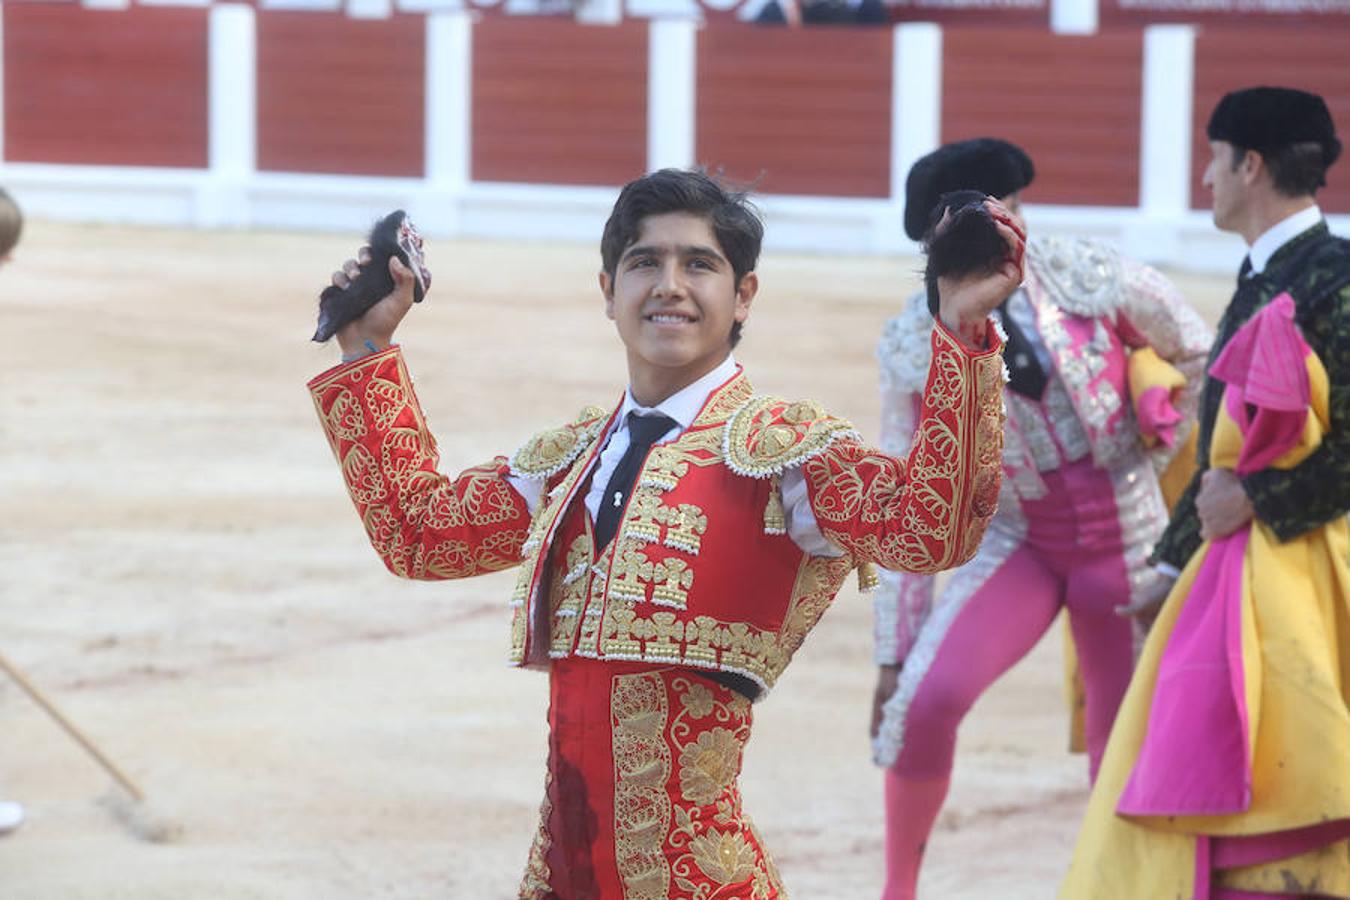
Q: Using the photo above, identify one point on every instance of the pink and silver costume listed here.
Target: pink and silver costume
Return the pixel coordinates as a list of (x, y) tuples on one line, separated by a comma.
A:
[(1079, 512)]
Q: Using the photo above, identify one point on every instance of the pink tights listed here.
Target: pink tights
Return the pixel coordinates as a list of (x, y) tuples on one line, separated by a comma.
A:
[(1072, 557)]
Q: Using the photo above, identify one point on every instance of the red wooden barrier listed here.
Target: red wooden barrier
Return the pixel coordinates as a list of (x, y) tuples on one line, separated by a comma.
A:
[(554, 103), (105, 87), (1225, 13), (1307, 58), (809, 110), (341, 95), (1072, 102)]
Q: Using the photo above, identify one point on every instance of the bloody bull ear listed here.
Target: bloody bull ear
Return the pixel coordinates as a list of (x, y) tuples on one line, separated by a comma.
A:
[(394, 235), (962, 239)]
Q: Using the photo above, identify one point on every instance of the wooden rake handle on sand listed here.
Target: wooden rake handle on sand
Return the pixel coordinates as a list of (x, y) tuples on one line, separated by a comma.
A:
[(41, 700)]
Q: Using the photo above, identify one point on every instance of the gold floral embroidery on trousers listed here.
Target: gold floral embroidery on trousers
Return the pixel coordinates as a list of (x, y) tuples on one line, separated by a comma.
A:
[(535, 886), (716, 844), (680, 833), (642, 764)]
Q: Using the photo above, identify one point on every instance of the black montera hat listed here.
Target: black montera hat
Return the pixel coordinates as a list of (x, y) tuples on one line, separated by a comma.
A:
[(1267, 118), (990, 165)]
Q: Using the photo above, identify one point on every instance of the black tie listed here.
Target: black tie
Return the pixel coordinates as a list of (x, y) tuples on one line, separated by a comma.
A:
[(1025, 374), (642, 433)]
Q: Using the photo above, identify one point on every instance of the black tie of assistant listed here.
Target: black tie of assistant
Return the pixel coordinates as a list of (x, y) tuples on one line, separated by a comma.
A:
[(1025, 374), (643, 431)]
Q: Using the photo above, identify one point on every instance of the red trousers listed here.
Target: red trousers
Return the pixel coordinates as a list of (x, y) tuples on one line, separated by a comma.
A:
[(642, 800)]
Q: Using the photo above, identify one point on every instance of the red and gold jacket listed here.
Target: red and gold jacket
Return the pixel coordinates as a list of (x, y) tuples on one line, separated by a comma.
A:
[(701, 571)]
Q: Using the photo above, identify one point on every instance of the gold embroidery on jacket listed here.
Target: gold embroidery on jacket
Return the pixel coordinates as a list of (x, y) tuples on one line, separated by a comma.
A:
[(639, 708), (818, 580), (775, 520), (570, 596), (362, 474), (855, 484), (642, 519), (543, 522), (705, 642), (768, 435), (588, 643), (671, 580), (385, 400), (630, 574), (685, 526), (549, 452), (989, 432), (724, 402), (930, 531), (343, 418)]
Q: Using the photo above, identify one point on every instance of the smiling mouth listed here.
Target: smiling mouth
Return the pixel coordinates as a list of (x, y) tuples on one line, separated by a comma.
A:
[(670, 319)]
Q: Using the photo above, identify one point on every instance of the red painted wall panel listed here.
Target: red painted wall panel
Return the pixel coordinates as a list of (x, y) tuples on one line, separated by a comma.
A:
[(556, 103), (1307, 58), (105, 87), (1232, 13), (341, 95), (1073, 103), (808, 111)]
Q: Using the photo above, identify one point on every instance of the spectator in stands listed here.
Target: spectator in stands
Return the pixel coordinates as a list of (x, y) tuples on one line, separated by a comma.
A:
[(822, 12)]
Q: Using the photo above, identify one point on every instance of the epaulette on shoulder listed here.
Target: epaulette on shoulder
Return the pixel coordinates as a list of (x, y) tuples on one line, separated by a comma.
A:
[(768, 435), (549, 452), (1082, 276), (905, 349)]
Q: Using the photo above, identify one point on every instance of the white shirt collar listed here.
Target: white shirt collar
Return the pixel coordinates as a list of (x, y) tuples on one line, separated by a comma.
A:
[(1279, 234), (683, 406)]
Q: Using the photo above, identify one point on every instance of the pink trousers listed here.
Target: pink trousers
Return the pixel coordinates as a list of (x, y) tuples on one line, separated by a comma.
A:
[(1071, 557)]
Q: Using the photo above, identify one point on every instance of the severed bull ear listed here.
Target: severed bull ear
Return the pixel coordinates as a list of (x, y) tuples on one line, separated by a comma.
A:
[(394, 235), (962, 239)]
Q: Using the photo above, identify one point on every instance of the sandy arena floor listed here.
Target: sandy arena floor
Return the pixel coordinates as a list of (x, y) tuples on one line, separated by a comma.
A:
[(181, 570)]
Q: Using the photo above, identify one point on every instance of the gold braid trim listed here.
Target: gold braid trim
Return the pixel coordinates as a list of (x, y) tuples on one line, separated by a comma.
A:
[(768, 435), (639, 711), (549, 452)]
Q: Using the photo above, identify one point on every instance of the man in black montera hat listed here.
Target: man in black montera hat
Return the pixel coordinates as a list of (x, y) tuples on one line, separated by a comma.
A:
[(1080, 508), (1228, 770)]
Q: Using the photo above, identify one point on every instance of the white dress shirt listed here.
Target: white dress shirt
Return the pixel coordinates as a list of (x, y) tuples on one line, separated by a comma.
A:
[(684, 406), (1279, 234)]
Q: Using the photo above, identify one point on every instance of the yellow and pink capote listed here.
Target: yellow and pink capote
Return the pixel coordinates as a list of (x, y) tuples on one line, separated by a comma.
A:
[(1228, 769)]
